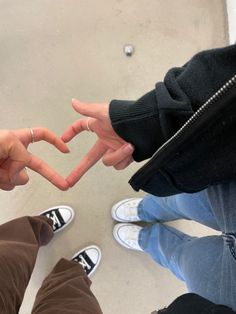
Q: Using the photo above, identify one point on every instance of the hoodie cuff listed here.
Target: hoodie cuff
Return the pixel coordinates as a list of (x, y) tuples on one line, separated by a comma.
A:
[(137, 122)]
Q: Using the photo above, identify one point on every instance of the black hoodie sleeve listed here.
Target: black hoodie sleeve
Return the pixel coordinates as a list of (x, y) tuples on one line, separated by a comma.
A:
[(151, 120)]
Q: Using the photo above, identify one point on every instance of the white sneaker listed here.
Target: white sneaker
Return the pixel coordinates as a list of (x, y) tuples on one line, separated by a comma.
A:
[(126, 210), (61, 216), (89, 258), (127, 235)]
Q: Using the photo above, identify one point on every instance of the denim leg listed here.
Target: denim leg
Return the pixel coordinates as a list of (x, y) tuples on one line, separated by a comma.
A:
[(160, 241), (222, 198), (205, 264), (209, 269), (195, 207)]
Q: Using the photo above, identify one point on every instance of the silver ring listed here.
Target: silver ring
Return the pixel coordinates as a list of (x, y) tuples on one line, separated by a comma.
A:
[(87, 124), (32, 135)]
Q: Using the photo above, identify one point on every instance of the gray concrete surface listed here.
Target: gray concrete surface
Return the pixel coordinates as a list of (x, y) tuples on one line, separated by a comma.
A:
[(51, 51)]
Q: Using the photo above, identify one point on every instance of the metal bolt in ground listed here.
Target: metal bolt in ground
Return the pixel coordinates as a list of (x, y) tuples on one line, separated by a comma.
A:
[(128, 50)]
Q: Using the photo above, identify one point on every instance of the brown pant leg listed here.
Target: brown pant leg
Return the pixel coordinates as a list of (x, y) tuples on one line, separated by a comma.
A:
[(19, 243), (66, 290)]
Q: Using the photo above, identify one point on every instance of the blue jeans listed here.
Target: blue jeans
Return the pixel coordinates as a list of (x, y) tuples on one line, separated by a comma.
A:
[(207, 264)]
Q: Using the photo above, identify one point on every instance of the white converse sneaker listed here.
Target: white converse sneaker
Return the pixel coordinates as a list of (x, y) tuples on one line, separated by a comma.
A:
[(127, 235), (89, 258), (61, 216), (126, 210)]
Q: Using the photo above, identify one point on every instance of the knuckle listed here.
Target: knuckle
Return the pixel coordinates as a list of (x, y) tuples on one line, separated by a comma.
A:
[(74, 129), (26, 180), (43, 130), (8, 135), (118, 167), (107, 162), (8, 187), (8, 140)]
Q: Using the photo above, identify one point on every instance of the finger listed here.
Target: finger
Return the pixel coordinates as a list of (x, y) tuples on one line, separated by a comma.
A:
[(39, 134), (112, 158), (11, 172), (97, 111), (18, 157), (7, 187), (21, 178), (4, 177), (74, 129), (124, 163), (23, 135), (48, 173), (43, 134), (90, 159)]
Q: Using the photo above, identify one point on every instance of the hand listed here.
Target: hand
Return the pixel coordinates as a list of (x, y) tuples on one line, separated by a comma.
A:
[(113, 150), (14, 157)]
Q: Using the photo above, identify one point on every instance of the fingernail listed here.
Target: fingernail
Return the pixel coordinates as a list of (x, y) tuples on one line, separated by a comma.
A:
[(66, 148), (74, 100), (128, 149), (65, 188)]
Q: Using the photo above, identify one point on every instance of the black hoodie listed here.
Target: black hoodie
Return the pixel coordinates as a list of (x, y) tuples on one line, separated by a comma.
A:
[(186, 125)]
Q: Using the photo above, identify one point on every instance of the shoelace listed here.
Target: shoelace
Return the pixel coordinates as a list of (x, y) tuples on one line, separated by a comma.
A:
[(81, 260), (53, 216), (132, 207), (132, 243)]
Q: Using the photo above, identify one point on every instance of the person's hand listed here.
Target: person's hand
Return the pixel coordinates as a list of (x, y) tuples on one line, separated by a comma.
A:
[(14, 157), (113, 150)]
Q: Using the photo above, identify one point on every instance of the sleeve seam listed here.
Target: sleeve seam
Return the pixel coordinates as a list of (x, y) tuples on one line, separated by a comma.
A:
[(138, 117)]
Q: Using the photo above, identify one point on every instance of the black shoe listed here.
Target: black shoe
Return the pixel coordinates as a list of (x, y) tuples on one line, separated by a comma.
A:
[(89, 258), (60, 215)]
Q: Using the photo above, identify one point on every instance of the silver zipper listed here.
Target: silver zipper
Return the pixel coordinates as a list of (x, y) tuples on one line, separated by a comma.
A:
[(228, 85)]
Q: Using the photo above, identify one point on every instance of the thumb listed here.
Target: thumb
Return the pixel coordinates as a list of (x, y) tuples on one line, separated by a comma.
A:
[(18, 158), (94, 110), (20, 178)]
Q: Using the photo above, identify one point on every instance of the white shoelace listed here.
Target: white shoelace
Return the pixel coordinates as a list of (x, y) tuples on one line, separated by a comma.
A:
[(83, 263), (53, 216)]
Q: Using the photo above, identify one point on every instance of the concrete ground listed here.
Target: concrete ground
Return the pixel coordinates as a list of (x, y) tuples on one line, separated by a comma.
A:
[(51, 51)]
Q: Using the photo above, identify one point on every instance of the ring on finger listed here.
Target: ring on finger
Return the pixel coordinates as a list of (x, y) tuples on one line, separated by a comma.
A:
[(32, 135), (87, 125)]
